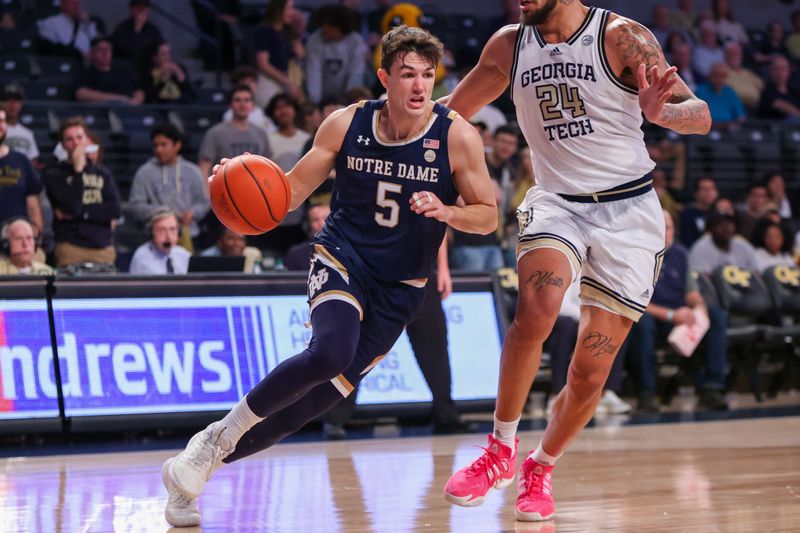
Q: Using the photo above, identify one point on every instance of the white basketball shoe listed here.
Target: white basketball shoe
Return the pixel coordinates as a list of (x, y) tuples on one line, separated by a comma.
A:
[(194, 466), (180, 510)]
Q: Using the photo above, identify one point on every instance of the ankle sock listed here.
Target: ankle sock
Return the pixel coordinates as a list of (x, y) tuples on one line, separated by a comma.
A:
[(236, 423), (505, 432), (542, 457)]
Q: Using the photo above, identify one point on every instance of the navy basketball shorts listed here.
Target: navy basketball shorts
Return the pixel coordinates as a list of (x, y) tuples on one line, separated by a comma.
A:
[(384, 307)]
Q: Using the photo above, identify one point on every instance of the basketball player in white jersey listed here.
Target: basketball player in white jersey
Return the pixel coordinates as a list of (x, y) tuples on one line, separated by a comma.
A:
[(581, 78)]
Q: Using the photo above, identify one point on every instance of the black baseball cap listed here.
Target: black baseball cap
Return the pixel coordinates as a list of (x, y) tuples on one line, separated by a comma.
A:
[(716, 217), (12, 91)]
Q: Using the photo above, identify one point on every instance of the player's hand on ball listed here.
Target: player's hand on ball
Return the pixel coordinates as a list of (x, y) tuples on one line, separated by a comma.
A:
[(428, 204), (222, 163)]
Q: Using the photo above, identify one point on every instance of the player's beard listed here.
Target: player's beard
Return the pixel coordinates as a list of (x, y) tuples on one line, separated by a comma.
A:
[(539, 16), (3, 137)]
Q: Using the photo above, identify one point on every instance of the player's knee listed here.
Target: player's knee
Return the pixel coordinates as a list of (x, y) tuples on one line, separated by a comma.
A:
[(535, 318), (331, 357), (585, 382), (540, 303)]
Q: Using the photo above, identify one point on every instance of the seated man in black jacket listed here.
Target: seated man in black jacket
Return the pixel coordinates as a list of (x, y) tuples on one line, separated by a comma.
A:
[(106, 81), (85, 201)]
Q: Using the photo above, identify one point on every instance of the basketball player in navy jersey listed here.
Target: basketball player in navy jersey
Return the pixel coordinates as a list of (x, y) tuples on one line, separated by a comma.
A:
[(397, 181), (580, 78)]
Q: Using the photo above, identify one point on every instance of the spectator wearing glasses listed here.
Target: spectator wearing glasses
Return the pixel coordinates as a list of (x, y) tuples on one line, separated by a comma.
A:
[(18, 244), (161, 254)]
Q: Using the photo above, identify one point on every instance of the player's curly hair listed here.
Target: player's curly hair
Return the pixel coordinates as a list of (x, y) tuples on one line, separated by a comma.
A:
[(403, 40)]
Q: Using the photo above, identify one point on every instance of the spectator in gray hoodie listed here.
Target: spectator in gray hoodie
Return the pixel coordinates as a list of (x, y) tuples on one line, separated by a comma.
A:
[(169, 180), (335, 55)]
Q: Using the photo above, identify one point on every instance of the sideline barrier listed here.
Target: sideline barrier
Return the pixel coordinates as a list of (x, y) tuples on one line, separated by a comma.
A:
[(166, 351)]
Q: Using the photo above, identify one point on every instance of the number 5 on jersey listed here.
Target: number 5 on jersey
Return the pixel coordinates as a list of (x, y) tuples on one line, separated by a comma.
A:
[(385, 187)]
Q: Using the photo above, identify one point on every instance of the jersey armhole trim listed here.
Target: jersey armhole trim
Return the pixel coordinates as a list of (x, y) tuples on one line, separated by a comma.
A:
[(601, 46), (520, 32)]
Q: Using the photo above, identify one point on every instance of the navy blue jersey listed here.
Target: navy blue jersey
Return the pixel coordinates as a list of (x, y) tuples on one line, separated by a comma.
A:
[(370, 211)]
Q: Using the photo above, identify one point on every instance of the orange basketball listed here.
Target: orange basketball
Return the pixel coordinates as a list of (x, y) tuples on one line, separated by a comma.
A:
[(250, 194)]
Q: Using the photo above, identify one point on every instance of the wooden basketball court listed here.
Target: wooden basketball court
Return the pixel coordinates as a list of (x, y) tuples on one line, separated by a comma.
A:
[(737, 476)]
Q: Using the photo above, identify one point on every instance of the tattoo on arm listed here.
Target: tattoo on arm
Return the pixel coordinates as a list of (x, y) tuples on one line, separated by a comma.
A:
[(599, 344), (636, 46), (685, 117), (684, 112), (542, 279)]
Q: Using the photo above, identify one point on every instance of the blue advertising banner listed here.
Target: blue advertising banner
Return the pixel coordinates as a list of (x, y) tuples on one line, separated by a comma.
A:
[(151, 355), (27, 380)]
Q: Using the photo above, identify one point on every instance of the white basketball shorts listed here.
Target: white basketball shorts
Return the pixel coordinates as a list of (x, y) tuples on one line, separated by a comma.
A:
[(616, 247)]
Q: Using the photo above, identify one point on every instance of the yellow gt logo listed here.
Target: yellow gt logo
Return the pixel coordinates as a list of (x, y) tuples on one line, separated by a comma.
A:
[(788, 275), (736, 276), (508, 278)]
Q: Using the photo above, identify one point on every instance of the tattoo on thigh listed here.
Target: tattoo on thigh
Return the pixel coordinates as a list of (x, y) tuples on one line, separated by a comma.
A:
[(599, 344), (541, 279)]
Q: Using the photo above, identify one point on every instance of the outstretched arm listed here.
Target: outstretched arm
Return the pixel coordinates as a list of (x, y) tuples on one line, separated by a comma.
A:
[(489, 78), (639, 62)]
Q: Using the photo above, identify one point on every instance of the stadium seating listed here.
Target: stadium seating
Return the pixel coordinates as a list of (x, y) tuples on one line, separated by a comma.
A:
[(784, 337), (60, 69)]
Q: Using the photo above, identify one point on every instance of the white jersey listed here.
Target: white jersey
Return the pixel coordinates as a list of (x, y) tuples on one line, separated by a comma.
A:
[(582, 123)]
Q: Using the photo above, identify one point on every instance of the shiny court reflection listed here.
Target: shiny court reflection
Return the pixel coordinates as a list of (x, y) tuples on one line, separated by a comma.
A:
[(718, 476)]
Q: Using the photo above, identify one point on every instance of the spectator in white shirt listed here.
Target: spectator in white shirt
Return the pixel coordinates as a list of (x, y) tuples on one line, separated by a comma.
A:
[(720, 246), (18, 137), (776, 189), (288, 141), (773, 244), (71, 28), (707, 52), (728, 28), (247, 75)]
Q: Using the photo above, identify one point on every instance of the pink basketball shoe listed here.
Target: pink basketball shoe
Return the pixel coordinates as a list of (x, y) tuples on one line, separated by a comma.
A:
[(494, 469), (535, 498)]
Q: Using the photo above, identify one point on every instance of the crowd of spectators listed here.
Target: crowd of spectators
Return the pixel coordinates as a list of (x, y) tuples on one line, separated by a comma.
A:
[(742, 75), (302, 66)]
